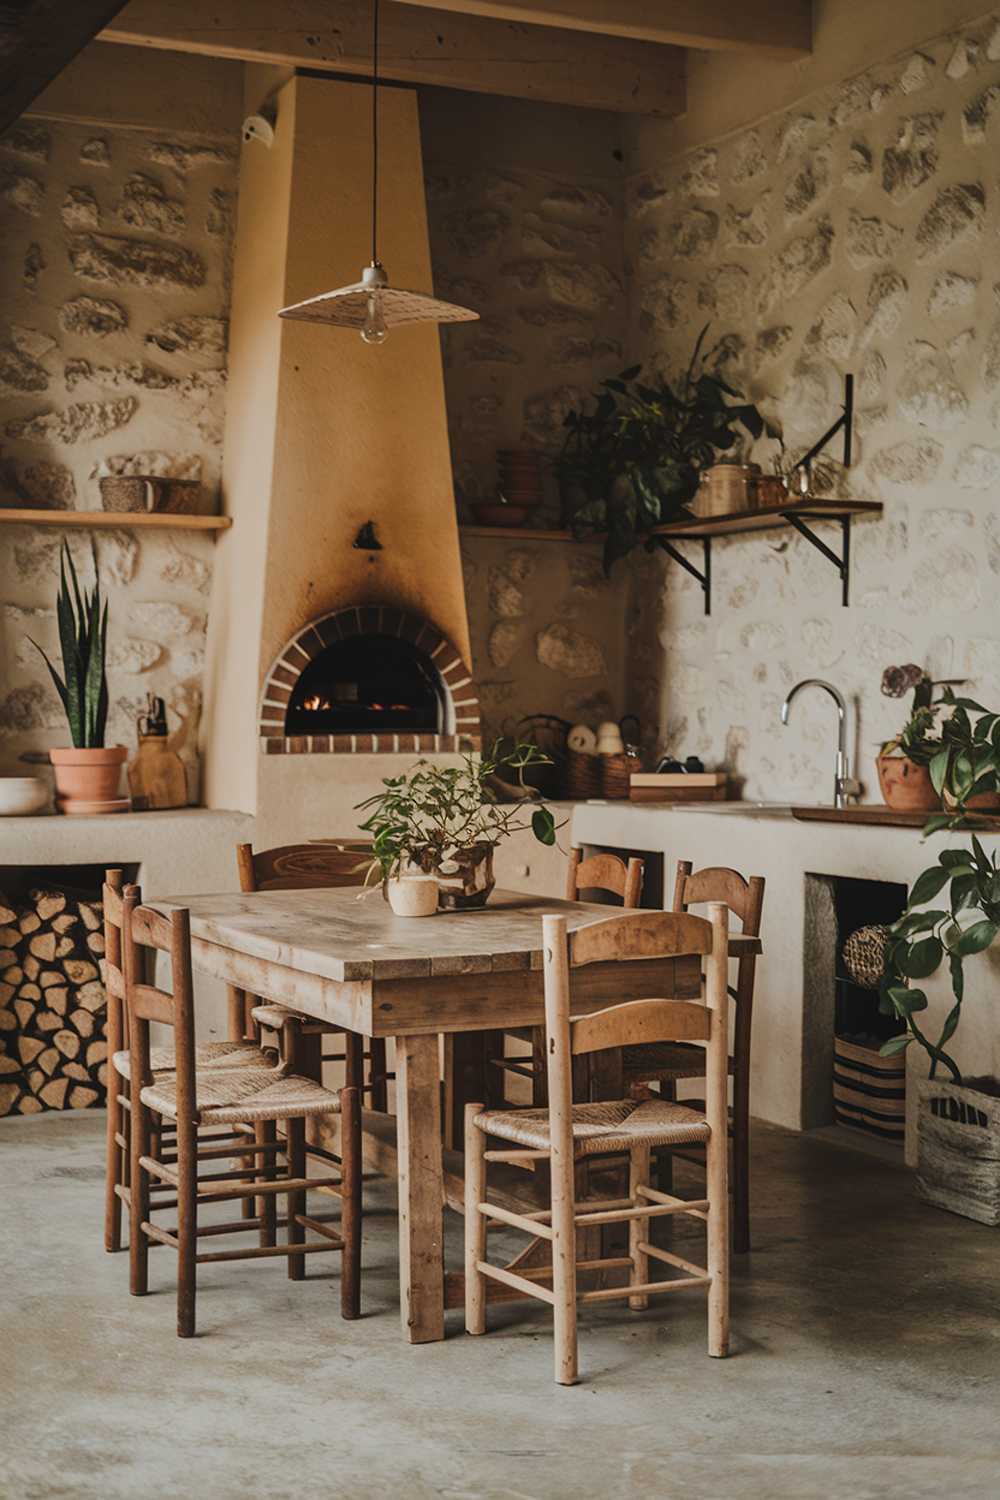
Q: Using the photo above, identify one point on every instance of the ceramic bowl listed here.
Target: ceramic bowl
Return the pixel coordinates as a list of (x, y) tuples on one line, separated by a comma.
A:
[(22, 795)]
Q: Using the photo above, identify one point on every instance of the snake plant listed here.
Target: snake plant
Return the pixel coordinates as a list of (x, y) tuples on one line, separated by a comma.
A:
[(83, 637)]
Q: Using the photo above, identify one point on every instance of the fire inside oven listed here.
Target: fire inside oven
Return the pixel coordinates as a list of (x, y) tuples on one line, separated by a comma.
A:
[(367, 684)]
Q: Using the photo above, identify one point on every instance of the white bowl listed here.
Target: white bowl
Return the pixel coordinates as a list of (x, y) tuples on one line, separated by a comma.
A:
[(20, 795)]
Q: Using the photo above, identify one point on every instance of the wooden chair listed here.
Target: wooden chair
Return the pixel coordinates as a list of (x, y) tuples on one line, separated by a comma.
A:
[(667, 1065), (228, 1054), (308, 867), (564, 1132), (226, 1099), (598, 876)]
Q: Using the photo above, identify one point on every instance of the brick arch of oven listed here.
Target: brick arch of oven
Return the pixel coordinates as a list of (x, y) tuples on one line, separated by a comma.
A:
[(462, 715)]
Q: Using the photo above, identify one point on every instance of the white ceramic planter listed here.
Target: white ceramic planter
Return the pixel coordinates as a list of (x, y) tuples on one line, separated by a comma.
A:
[(22, 795), (413, 895)]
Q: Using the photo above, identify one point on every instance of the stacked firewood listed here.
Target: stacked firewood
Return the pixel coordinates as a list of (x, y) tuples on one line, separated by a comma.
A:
[(53, 1048)]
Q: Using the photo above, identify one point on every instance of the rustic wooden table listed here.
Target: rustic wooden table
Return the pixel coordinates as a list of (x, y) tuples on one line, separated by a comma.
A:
[(351, 961)]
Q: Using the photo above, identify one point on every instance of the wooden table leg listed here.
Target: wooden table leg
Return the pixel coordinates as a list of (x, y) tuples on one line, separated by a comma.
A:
[(421, 1189)]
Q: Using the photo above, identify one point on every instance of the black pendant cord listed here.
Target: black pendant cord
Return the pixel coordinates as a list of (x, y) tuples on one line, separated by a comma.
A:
[(375, 5)]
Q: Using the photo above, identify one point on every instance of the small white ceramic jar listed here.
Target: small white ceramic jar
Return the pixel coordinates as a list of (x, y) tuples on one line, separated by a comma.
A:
[(413, 895)]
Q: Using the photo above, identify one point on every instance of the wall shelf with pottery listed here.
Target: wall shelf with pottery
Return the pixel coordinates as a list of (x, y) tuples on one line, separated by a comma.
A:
[(114, 519)]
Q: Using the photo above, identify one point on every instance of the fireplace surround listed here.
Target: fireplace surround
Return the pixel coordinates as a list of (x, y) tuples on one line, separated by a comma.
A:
[(369, 679)]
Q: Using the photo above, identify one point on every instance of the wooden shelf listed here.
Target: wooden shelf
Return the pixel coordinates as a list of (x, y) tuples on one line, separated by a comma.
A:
[(767, 519), (113, 519)]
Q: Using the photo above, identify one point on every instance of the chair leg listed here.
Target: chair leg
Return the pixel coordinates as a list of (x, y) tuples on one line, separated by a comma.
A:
[(296, 1138), (716, 1171), (638, 1229), (236, 1013), (187, 1226), (741, 1166), (564, 1273), (350, 1212), (266, 1134), (138, 1248), (354, 1062), (113, 1175), (475, 1222)]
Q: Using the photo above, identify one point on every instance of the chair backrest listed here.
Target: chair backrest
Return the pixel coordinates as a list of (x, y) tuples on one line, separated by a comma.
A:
[(607, 873), (113, 964), (302, 867), (621, 940), (744, 898), (142, 927)]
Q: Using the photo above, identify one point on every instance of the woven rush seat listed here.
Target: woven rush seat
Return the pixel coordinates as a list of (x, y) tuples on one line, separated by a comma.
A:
[(616, 1125), (235, 1096), (207, 1055), (666, 1061)]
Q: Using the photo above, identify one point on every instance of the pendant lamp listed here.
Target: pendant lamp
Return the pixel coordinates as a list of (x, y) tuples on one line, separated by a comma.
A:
[(371, 304)]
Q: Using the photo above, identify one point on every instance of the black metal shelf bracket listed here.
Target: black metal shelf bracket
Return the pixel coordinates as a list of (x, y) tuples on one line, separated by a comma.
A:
[(841, 563), (703, 575)]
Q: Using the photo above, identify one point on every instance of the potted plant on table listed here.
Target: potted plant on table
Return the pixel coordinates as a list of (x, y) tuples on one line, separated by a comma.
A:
[(634, 459), (445, 822), (88, 773), (953, 913)]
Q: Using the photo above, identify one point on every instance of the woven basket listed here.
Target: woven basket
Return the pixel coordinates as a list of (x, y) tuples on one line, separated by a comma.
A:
[(864, 955), (958, 1150), (869, 1090), (583, 776), (616, 775)]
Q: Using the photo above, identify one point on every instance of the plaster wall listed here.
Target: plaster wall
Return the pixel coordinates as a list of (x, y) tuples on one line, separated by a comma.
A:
[(329, 433), (856, 232), (115, 216)]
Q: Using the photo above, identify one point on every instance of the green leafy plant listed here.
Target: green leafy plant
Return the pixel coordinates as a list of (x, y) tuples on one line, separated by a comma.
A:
[(954, 906), (927, 934), (83, 637), (428, 813), (633, 458), (918, 739)]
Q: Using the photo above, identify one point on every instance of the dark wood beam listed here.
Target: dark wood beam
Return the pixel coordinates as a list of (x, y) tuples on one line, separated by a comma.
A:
[(774, 27), (418, 46), (37, 39)]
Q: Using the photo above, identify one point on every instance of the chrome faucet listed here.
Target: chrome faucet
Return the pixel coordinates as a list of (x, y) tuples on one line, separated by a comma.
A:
[(844, 785)]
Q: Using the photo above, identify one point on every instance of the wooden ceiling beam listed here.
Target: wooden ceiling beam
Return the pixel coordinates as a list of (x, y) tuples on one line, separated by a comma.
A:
[(417, 45), (37, 40), (773, 27)]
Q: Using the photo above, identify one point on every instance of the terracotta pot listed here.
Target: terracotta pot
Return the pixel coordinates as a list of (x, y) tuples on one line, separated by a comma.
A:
[(87, 780), (906, 786), (981, 802)]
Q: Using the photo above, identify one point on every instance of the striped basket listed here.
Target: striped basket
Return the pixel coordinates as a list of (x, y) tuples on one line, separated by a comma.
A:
[(869, 1091)]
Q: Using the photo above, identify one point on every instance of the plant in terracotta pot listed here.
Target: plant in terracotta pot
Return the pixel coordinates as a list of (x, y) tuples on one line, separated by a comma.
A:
[(903, 763), (446, 821), (86, 774), (965, 769)]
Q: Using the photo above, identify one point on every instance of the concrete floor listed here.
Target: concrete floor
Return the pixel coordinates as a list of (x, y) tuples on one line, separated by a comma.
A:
[(866, 1361)]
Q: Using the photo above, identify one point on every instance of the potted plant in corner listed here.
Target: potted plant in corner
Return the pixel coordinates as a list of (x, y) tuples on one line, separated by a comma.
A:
[(634, 458), (445, 822), (902, 762), (953, 913), (86, 774)]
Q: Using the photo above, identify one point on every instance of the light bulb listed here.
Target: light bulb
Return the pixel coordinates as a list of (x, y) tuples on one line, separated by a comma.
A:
[(374, 330)]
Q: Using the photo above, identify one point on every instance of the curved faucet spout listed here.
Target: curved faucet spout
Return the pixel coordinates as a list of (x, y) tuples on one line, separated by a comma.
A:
[(843, 786)]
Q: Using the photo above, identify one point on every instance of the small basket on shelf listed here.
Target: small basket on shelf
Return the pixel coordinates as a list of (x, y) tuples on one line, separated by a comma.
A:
[(583, 775)]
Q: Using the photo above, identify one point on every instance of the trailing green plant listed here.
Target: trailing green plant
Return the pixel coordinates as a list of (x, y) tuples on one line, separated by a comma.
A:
[(954, 906), (428, 813), (83, 638), (634, 456), (927, 934)]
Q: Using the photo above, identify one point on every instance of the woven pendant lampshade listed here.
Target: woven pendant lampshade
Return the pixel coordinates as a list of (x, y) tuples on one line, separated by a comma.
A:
[(371, 305)]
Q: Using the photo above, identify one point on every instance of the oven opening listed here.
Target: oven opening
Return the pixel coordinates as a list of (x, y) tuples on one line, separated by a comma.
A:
[(368, 684)]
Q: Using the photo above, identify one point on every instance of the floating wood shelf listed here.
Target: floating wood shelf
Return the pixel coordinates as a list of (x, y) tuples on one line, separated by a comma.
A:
[(117, 519), (797, 514)]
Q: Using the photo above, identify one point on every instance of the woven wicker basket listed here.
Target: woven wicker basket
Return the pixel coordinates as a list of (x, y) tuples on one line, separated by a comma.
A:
[(583, 776), (864, 955), (616, 775)]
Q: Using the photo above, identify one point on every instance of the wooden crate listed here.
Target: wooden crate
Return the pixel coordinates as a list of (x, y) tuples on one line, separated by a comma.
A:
[(869, 1091), (678, 786), (958, 1150)]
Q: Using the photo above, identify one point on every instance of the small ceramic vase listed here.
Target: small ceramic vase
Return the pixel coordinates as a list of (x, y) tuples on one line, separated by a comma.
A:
[(413, 895)]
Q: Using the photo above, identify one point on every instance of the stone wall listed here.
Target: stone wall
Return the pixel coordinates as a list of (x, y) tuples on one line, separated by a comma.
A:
[(856, 231), (113, 300), (525, 215)]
